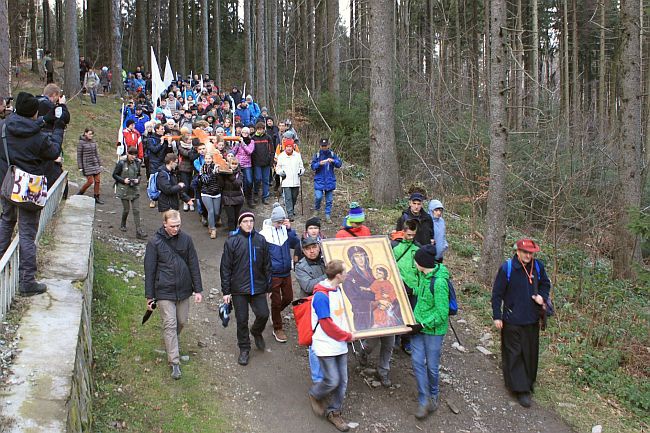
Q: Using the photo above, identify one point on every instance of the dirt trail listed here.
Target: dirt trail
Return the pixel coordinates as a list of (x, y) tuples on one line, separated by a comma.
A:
[(270, 394)]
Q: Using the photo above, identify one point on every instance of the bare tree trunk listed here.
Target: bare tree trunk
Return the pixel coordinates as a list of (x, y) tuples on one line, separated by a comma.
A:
[(47, 32), (273, 55), (311, 26), (630, 144), (385, 188), (248, 46), (333, 76), (5, 50), (495, 223), (155, 22), (116, 48), (58, 12), (564, 81), (142, 40), (33, 35), (217, 42), (71, 84), (534, 85), (180, 36), (173, 30), (602, 65), (205, 54), (260, 52)]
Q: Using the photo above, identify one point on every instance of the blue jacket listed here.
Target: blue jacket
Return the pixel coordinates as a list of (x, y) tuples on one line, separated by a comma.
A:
[(324, 178), (255, 111), (281, 241), (139, 121), (440, 236), (198, 163), (512, 301), (246, 116)]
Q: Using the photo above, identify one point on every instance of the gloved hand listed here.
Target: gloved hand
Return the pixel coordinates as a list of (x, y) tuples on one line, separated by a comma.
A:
[(415, 328), (301, 172)]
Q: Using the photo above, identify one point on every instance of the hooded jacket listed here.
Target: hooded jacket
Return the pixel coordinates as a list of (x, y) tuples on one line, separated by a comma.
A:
[(264, 152), (245, 264), (324, 177), (88, 157), (280, 240), (292, 167), (309, 273), (29, 149), (439, 230), (169, 190), (171, 267), (432, 309), (243, 151)]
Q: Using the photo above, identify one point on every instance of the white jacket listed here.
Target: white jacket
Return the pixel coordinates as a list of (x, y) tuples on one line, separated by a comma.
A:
[(292, 166)]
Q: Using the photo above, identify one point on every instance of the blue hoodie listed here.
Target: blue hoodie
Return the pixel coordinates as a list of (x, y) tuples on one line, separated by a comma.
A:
[(439, 229)]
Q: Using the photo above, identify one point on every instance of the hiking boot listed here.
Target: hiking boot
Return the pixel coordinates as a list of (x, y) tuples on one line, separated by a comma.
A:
[(423, 411), (98, 200), (434, 404), (259, 341), (338, 421), (385, 381), (318, 406), (524, 399), (362, 358), (204, 221), (280, 336), (250, 203), (316, 213), (256, 199), (33, 289), (328, 219), (265, 200), (218, 222), (176, 371), (213, 233), (140, 235), (406, 347), (122, 228), (243, 357), (152, 204)]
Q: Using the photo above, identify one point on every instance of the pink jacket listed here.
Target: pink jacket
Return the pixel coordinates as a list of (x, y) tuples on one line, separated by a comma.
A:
[(243, 153)]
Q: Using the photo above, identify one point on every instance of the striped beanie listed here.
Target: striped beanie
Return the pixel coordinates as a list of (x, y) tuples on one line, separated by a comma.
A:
[(245, 215), (356, 214)]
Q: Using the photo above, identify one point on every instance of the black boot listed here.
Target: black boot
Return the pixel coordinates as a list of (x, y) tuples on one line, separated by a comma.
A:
[(98, 200), (123, 224)]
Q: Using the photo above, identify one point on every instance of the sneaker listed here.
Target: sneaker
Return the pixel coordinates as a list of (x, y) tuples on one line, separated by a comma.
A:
[(423, 411), (280, 336), (140, 235), (34, 289), (362, 357), (328, 219), (265, 200), (406, 347), (259, 342), (213, 233), (434, 404), (243, 357), (524, 399), (176, 371), (122, 228), (316, 213), (186, 207), (338, 421), (152, 204), (191, 208), (318, 406), (385, 381)]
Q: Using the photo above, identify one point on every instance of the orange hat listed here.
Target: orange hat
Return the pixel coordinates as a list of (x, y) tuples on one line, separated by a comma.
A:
[(288, 142), (527, 245)]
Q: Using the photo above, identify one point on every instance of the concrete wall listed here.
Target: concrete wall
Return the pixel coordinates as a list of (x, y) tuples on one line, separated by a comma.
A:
[(51, 388)]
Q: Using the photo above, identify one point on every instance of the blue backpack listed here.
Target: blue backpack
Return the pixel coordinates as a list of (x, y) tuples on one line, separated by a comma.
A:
[(453, 303), (507, 268), (152, 187)]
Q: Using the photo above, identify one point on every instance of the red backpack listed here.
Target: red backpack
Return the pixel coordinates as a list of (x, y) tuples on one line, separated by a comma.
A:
[(302, 315)]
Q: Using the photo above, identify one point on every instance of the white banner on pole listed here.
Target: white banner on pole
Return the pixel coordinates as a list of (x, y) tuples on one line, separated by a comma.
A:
[(157, 85), (169, 75)]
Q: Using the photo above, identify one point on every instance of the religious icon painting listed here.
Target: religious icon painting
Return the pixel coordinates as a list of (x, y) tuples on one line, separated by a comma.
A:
[(376, 303)]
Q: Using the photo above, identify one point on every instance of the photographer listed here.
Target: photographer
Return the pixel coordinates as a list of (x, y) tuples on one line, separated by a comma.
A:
[(52, 107), (5, 107), (127, 180)]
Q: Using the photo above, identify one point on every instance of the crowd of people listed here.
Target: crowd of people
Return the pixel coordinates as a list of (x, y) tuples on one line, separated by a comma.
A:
[(220, 155)]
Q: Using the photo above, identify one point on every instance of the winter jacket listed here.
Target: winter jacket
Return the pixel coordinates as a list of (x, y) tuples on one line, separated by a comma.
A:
[(255, 111), (169, 190), (198, 162), (139, 121), (46, 110), (133, 138), (352, 232), (157, 150), (123, 170), (280, 240), (187, 157), (274, 133), (232, 193), (512, 301), (292, 167), (404, 253), (243, 152), (324, 177), (432, 309), (264, 151), (88, 157), (424, 234), (210, 184), (29, 148), (245, 116), (91, 80), (309, 273), (171, 267), (440, 235), (245, 264)]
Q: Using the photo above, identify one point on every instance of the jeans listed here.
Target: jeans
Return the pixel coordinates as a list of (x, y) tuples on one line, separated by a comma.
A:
[(213, 206), (93, 94), (248, 181), (314, 367), (262, 174), (335, 381), (174, 315), (329, 198), (385, 352), (290, 199), (260, 309), (28, 221), (426, 360)]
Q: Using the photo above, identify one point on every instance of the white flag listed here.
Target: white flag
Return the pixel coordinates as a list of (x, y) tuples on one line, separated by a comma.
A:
[(157, 85), (169, 76), (120, 135)]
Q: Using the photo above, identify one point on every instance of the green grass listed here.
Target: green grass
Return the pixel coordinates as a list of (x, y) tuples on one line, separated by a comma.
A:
[(132, 381)]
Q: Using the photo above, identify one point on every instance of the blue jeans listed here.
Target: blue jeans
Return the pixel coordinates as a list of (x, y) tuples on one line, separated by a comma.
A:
[(248, 180), (329, 198), (262, 174), (335, 381), (93, 94), (314, 367), (426, 360)]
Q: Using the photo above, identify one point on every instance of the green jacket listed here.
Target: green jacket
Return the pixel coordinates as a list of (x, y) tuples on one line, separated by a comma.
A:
[(404, 251), (124, 169), (433, 313)]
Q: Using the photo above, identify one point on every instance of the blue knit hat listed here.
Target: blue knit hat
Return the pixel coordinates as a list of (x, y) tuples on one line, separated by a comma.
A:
[(356, 214)]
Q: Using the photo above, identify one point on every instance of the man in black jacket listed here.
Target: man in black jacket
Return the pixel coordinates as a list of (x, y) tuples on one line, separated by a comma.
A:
[(245, 279), (424, 235), (171, 276), (169, 188), (30, 150), (262, 158)]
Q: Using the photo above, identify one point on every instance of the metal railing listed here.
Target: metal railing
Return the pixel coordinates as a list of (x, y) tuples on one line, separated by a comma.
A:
[(9, 262)]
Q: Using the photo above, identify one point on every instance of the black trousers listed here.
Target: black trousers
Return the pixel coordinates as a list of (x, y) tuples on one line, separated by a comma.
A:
[(232, 214), (519, 356), (260, 308)]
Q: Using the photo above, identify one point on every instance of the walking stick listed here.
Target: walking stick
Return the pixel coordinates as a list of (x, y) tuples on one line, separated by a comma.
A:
[(302, 203), (455, 335)]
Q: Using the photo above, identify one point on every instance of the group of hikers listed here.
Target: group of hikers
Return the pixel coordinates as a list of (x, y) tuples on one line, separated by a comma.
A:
[(220, 155)]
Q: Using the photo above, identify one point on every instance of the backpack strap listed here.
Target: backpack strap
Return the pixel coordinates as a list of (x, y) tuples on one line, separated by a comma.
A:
[(508, 269), (403, 254), (351, 232), (539, 275)]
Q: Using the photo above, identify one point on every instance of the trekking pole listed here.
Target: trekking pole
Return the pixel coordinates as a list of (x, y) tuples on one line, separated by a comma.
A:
[(302, 202), (455, 335)]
